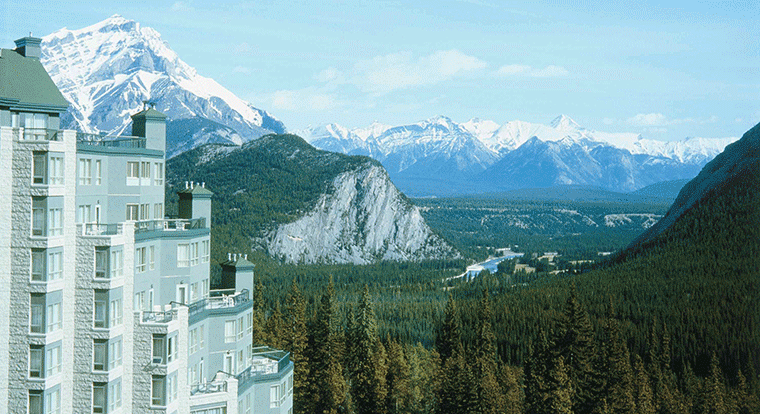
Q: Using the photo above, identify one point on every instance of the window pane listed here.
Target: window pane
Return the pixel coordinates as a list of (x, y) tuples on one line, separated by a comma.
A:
[(38, 265)]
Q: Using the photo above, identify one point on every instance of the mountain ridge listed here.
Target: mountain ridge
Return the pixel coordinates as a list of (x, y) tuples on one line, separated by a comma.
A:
[(464, 158), (109, 69)]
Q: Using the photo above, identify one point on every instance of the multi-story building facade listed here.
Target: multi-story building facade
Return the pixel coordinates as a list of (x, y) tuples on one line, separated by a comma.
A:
[(107, 305)]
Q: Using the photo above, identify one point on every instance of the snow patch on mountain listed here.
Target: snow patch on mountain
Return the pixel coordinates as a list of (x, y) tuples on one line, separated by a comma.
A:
[(106, 71)]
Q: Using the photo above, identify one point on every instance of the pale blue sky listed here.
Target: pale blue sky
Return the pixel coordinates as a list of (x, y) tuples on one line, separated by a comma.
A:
[(667, 70)]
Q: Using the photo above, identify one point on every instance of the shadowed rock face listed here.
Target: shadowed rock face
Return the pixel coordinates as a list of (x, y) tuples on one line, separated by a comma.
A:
[(738, 159), (362, 220)]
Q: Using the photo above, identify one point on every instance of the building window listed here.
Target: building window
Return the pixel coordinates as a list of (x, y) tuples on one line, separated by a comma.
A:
[(229, 331), (39, 273), (84, 214), (116, 313), (133, 212), (98, 172), (53, 402), (114, 354), (85, 171), (55, 169), (55, 266), (159, 349), (171, 349), (145, 171), (249, 323), (141, 260), (158, 390), (53, 361), (183, 255), (152, 257), (205, 251), (229, 363), (240, 360), (193, 341), (171, 384), (114, 396), (55, 222), (144, 211), (39, 204), (37, 311), (240, 328), (54, 322), (39, 167), (98, 397), (117, 264), (133, 170), (101, 263), (158, 177), (274, 396), (193, 292), (139, 303), (101, 308), (99, 355), (36, 361), (158, 211), (35, 402), (194, 256)]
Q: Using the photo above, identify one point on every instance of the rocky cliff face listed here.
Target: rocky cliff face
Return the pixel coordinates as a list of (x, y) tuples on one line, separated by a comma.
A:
[(362, 219)]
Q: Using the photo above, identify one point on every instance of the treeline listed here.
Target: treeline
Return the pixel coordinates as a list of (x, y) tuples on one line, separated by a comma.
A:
[(576, 366), (673, 327)]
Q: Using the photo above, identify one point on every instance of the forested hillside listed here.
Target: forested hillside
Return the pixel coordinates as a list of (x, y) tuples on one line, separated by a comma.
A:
[(671, 327)]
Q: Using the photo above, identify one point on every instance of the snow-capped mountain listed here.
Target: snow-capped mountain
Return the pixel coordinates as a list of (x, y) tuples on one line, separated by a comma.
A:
[(439, 156), (108, 70)]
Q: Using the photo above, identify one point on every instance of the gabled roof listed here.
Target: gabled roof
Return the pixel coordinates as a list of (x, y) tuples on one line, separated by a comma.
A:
[(25, 84)]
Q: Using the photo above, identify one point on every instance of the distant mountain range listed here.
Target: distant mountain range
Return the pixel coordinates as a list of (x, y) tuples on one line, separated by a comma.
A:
[(106, 71), (441, 157)]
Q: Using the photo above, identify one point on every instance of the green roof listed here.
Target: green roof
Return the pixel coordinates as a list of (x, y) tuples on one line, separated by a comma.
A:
[(149, 113), (24, 83)]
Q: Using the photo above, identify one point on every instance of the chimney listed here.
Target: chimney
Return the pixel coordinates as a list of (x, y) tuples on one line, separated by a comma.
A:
[(29, 46)]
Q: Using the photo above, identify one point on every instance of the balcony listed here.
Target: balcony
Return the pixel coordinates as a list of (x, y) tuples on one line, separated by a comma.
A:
[(111, 141), (36, 134), (220, 300), (268, 364), (99, 229), (159, 317), (170, 225), (208, 387)]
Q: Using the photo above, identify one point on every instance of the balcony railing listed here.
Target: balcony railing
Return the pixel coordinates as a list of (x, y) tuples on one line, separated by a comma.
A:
[(170, 224), (159, 317), (208, 387), (111, 141), (100, 229), (218, 302), (36, 134)]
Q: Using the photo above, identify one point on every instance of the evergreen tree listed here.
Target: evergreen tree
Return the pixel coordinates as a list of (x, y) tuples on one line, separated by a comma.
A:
[(448, 334), (274, 328), (328, 387), (296, 341), (537, 377), (397, 379), (643, 388), (513, 394), (490, 398), (367, 382), (619, 392), (574, 341), (560, 394), (714, 397)]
